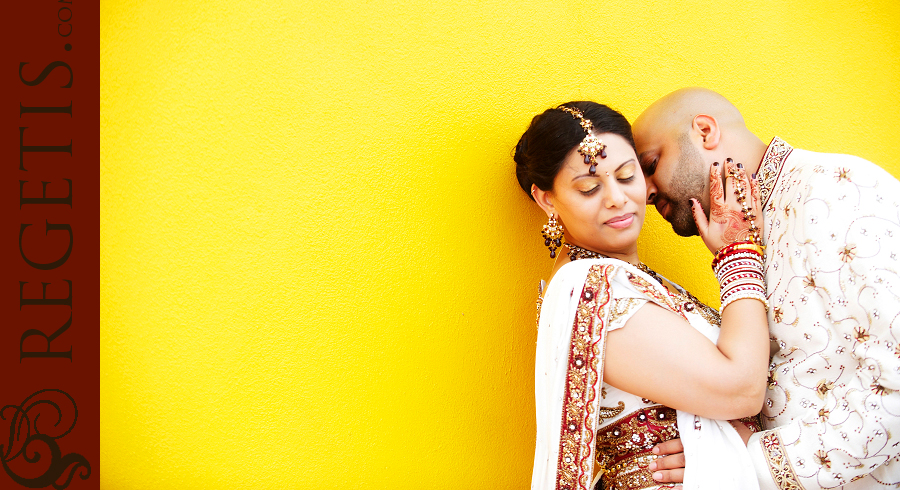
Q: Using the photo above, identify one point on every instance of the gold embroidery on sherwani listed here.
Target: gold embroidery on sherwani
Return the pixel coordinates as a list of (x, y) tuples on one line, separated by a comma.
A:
[(576, 463), (779, 466), (832, 232), (776, 153)]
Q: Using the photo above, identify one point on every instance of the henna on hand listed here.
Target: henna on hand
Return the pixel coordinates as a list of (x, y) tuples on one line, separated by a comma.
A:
[(733, 226), (727, 222)]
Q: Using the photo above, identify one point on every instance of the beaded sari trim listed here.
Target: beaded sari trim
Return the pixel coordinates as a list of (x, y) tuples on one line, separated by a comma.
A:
[(584, 373)]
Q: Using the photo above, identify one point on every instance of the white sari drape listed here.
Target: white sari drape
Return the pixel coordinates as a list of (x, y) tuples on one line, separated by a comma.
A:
[(573, 325)]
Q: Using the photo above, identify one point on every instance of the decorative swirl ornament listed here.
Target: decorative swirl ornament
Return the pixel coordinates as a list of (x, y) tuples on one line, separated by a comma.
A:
[(35, 425)]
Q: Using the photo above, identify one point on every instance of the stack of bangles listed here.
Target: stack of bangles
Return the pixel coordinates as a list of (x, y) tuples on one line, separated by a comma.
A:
[(739, 269)]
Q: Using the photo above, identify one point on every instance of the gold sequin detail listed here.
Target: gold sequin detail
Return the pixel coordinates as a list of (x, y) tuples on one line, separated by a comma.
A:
[(623, 307), (540, 302), (604, 413), (624, 447)]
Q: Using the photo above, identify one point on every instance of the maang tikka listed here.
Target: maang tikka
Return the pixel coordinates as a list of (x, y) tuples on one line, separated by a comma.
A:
[(590, 146), (552, 233)]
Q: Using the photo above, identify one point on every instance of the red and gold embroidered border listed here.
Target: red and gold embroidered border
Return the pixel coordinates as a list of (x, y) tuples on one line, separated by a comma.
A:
[(663, 299), (776, 153), (575, 466), (779, 466)]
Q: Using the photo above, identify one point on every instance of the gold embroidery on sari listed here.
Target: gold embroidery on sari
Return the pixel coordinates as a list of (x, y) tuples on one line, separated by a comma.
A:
[(623, 307), (624, 447), (575, 465), (604, 413)]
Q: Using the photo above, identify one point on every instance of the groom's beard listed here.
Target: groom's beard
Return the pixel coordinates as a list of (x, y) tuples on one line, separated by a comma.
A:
[(680, 215), (688, 183)]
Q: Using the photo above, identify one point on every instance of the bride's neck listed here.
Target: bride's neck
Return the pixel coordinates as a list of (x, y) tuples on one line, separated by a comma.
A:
[(630, 257)]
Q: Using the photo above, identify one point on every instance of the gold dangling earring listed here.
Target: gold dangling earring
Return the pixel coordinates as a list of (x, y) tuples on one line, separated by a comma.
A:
[(552, 233)]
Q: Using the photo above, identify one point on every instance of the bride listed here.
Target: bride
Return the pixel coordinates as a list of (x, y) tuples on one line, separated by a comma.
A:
[(627, 359)]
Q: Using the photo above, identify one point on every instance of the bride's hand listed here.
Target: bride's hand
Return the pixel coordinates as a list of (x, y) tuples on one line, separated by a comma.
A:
[(726, 223)]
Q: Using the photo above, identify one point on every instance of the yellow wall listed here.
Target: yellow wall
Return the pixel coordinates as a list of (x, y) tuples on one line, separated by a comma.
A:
[(317, 267)]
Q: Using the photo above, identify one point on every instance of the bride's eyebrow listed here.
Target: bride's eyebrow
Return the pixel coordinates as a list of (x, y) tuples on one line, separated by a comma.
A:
[(626, 162)]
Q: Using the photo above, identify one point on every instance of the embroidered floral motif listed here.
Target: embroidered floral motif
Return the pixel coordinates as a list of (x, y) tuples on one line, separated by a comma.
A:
[(779, 466), (609, 412), (809, 282), (689, 303), (645, 287), (777, 314), (848, 252), (823, 387), (842, 173), (881, 390)]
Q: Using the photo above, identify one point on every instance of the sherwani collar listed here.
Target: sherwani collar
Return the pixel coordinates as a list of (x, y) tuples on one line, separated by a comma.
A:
[(770, 167)]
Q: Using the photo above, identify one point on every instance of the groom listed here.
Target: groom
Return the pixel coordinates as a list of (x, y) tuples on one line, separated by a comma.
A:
[(832, 233)]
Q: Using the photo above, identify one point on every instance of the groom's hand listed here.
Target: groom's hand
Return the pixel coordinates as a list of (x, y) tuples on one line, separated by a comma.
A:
[(727, 221), (669, 468)]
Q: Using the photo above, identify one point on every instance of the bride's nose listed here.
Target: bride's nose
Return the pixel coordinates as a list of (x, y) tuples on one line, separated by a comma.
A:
[(615, 196)]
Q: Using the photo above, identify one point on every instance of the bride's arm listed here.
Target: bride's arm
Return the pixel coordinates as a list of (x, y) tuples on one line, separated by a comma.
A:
[(658, 355)]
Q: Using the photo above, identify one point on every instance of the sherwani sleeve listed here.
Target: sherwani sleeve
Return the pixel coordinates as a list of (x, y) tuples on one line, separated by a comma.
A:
[(836, 313)]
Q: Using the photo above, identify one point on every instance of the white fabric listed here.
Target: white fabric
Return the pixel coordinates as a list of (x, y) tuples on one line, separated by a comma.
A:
[(716, 453), (832, 230)]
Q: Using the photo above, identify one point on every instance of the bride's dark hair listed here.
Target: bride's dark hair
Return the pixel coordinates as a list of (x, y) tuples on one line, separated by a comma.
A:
[(553, 133)]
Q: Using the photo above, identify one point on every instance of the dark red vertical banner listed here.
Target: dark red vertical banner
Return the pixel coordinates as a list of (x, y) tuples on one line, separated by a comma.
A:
[(50, 245)]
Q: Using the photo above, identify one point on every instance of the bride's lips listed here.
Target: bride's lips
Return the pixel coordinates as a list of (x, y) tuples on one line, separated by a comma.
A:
[(623, 221)]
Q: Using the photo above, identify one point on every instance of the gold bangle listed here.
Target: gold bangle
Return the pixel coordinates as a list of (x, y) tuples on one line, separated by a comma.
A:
[(751, 246)]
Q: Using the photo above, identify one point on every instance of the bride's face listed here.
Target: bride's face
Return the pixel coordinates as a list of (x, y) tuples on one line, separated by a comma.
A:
[(603, 212)]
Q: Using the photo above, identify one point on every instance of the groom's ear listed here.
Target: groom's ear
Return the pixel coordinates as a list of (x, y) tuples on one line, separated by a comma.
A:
[(708, 129)]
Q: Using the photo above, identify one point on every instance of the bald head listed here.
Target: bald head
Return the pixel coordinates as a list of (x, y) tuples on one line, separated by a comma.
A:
[(676, 111)]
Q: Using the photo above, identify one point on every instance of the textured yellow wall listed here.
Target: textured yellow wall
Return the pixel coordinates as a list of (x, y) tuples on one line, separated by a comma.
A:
[(317, 268)]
